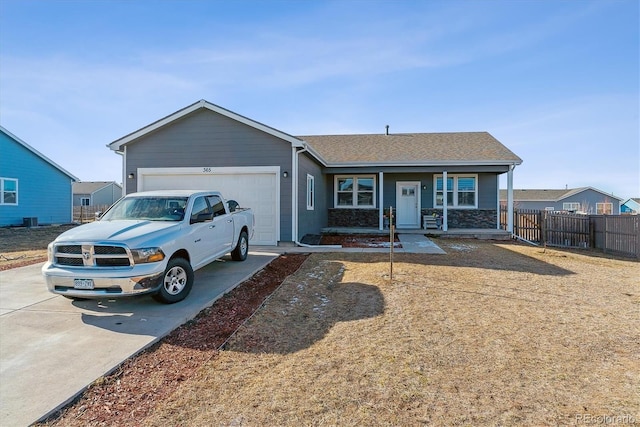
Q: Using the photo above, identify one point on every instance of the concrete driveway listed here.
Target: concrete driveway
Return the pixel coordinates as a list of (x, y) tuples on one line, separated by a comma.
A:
[(51, 348)]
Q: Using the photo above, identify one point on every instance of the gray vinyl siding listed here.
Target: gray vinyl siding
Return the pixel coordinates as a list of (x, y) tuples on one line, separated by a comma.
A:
[(487, 191), (311, 221), (207, 139), (107, 195), (104, 196)]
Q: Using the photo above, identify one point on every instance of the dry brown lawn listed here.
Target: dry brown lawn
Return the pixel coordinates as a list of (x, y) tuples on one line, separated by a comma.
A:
[(489, 334), (21, 246)]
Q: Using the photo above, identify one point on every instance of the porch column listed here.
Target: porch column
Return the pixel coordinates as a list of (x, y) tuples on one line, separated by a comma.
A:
[(445, 225), (510, 199), (381, 207)]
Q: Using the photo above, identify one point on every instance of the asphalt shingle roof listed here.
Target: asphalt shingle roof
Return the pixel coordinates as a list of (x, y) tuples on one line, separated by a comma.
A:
[(88, 187), (411, 149)]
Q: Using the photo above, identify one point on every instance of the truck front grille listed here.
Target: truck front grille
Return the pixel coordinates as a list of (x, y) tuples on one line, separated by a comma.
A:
[(92, 256)]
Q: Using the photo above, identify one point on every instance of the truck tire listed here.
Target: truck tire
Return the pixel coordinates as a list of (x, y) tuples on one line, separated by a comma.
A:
[(176, 282), (241, 250)]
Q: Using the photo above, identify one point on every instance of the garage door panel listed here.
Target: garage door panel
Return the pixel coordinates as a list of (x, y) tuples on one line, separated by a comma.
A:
[(253, 190)]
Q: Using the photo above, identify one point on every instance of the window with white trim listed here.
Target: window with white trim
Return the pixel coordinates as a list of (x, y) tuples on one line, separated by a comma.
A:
[(311, 192), (604, 208), (462, 191), (355, 191), (84, 201), (8, 191), (571, 206)]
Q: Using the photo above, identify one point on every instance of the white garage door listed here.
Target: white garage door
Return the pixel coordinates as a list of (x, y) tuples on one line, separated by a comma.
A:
[(256, 188)]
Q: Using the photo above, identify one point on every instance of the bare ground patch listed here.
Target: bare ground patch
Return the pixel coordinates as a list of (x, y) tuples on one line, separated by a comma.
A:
[(489, 334)]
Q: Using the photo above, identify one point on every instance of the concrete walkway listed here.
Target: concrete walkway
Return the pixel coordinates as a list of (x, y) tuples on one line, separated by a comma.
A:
[(418, 244)]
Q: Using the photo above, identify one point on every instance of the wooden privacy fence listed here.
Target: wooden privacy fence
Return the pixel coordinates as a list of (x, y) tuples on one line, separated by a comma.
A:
[(617, 234), (84, 214)]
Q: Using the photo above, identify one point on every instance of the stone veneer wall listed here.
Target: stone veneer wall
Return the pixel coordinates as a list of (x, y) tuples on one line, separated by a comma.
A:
[(468, 218), (458, 218), (363, 218)]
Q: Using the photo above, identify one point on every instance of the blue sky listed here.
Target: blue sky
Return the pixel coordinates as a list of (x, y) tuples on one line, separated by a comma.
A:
[(555, 81)]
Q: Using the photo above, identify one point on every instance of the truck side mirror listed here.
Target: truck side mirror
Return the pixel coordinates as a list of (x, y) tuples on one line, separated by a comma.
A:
[(203, 217)]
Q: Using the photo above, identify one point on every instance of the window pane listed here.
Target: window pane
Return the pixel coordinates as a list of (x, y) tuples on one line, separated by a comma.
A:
[(200, 207), (345, 184), (467, 199), (9, 185), (365, 184), (9, 197), (365, 198), (310, 192), (466, 184), (439, 184), (345, 199), (439, 199)]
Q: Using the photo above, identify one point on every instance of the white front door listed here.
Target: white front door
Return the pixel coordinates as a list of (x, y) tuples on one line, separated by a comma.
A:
[(408, 204)]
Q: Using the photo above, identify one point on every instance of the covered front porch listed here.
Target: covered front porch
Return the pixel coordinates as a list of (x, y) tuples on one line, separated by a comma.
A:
[(452, 201)]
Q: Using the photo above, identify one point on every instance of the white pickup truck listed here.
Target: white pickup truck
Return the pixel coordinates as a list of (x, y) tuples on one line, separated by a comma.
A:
[(148, 242)]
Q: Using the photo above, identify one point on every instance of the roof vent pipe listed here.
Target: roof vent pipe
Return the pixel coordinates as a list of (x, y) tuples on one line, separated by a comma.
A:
[(387, 129)]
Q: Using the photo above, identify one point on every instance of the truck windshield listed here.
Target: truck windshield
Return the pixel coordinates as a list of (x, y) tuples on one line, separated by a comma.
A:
[(147, 208)]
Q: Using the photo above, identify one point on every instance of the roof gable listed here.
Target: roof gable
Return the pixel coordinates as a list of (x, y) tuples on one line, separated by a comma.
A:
[(119, 143), (456, 148), (37, 153)]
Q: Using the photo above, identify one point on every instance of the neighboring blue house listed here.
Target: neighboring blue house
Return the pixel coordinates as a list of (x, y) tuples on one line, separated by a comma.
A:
[(33, 189), (584, 200), (631, 207)]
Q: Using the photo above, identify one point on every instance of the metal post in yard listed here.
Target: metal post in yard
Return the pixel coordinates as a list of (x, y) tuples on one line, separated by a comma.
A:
[(391, 235)]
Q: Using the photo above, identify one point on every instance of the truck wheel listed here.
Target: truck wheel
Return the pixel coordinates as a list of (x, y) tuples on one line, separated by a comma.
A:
[(176, 282), (241, 250)]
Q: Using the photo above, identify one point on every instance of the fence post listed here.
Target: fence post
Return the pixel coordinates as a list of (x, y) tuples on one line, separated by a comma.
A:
[(542, 216), (606, 235)]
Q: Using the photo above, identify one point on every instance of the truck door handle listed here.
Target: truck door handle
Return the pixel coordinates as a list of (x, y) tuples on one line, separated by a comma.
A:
[(212, 226), (229, 220)]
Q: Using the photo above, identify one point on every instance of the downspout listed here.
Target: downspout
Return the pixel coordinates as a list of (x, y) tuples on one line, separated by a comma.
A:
[(294, 202), (124, 172)]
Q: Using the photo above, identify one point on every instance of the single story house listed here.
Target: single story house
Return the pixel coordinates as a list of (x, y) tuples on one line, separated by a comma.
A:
[(298, 185), (95, 193), (585, 200), (631, 206), (33, 189)]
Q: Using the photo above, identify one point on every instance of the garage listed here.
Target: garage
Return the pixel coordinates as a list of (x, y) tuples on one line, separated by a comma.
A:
[(253, 187)]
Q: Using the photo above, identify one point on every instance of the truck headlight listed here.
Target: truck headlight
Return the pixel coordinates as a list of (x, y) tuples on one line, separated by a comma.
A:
[(50, 252), (144, 255)]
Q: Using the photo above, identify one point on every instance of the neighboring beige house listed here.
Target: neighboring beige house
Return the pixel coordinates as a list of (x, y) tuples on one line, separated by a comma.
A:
[(585, 200), (95, 193)]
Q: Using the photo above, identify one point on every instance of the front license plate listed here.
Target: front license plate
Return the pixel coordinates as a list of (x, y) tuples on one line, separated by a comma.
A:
[(83, 283)]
